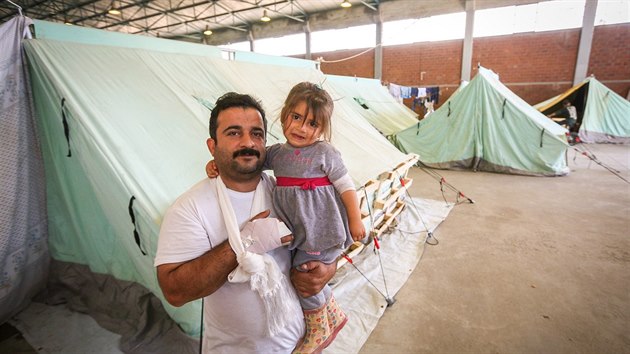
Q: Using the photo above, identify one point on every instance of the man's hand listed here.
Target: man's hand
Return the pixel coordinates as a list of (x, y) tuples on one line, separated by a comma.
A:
[(262, 234), (312, 277)]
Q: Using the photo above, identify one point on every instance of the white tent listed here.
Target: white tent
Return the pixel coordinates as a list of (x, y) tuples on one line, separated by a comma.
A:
[(123, 127)]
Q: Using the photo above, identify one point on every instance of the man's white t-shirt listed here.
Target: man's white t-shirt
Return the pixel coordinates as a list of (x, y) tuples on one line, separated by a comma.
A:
[(234, 315), (572, 112)]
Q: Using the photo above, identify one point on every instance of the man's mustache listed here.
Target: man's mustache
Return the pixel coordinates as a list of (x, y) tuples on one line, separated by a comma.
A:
[(246, 152)]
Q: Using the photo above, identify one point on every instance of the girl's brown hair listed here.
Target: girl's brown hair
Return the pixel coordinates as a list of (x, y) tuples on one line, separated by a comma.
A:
[(318, 101)]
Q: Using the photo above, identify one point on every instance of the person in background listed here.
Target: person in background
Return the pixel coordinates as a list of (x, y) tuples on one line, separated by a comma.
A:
[(198, 258), (568, 112)]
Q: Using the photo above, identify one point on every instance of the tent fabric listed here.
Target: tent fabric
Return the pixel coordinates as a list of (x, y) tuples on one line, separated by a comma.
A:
[(23, 225), (144, 327), (124, 131), (486, 127), (380, 109), (401, 248), (603, 115)]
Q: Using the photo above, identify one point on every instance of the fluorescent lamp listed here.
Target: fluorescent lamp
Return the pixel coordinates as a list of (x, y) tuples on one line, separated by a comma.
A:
[(346, 4)]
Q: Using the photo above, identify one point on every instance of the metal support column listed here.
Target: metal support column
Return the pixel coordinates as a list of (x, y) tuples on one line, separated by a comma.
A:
[(378, 50), (307, 35), (586, 39), (468, 40)]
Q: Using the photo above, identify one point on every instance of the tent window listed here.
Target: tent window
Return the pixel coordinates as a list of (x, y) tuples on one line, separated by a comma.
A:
[(204, 102), (361, 102), (132, 215), (66, 127)]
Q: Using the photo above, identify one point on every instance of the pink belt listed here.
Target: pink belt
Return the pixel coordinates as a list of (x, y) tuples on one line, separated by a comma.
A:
[(304, 183)]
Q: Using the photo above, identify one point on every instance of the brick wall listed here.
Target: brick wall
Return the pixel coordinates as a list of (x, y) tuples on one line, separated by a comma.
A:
[(536, 66)]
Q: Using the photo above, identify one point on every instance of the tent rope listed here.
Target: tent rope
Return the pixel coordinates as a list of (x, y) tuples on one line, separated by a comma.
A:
[(377, 247), (345, 255), (322, 60), (443, 182), (593, 158)]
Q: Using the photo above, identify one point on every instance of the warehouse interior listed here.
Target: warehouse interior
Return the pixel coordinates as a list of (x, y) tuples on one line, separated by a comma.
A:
[(519, 258)]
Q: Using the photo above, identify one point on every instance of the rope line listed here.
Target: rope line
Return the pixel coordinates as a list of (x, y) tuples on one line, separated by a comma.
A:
[(593, 158), (322, 60), (443, 182)]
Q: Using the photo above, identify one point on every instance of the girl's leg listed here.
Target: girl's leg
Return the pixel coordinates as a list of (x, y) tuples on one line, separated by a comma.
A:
[(318, 330)]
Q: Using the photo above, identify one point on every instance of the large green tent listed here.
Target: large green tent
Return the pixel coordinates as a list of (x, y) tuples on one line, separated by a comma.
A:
[(123, 122), (486, 127), (603, 115)]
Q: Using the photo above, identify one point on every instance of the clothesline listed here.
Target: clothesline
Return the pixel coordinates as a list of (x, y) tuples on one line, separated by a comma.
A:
[(427, 93), (322, 60)]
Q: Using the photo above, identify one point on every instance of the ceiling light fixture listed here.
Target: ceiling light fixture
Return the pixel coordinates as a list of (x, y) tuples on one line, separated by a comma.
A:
[(207, 32), (346, 4), (264, 17), (113, 10)]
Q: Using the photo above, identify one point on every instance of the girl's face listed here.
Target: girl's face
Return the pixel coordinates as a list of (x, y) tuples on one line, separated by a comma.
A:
[(300, 130)]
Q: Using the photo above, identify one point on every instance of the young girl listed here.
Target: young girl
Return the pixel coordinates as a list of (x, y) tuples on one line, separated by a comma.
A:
[(316, 199)]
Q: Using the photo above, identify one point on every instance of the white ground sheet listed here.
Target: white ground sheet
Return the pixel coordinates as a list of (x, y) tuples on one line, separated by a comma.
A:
[(55, 329), (400, 252)]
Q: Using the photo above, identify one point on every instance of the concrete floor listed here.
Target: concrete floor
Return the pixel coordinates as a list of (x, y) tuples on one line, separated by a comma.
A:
[(536, 265)]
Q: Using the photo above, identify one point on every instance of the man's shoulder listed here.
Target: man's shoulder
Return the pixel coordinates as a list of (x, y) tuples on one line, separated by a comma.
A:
[(197, 192), (268, 181), (205, 190)]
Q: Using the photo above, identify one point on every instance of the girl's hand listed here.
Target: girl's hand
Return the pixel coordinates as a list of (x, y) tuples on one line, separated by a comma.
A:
[(212, 170), (357, 230)]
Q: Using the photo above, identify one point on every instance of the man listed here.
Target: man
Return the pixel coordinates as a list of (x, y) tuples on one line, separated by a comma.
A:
[(568, 112), (194, 259)]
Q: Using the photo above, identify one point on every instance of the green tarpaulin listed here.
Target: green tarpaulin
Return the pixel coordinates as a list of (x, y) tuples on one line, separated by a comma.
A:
[(486, 127)]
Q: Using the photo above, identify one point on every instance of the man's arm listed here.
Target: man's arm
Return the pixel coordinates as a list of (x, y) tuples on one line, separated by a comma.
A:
[(199, 277), (312, 278), (187, 281)]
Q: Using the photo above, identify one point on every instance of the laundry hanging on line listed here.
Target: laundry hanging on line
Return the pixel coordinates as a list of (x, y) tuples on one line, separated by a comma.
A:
[(419, 94)]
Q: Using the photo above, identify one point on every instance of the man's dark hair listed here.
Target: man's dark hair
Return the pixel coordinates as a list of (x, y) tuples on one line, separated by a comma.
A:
[(233, 99)]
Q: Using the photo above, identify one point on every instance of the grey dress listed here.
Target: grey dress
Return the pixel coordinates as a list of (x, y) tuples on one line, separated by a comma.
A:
[(317, 217)]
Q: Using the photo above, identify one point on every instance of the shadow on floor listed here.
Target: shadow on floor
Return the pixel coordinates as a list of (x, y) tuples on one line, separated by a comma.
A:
[(11, 341)]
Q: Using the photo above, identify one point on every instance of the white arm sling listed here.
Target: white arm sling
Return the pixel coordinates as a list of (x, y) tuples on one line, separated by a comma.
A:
[(261, 270)]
